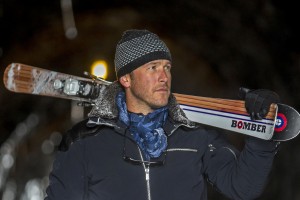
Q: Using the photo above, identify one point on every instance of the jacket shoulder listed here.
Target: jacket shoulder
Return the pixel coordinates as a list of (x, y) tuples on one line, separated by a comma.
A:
[(77, 132)]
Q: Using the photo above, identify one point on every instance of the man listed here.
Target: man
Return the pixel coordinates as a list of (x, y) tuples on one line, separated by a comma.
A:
[(138, 144)]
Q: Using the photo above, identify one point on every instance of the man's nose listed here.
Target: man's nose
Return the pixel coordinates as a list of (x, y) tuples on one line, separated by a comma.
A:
[(163, 76)]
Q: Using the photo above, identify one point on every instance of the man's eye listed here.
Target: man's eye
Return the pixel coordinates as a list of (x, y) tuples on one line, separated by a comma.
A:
[(152, 67), (168, 68)]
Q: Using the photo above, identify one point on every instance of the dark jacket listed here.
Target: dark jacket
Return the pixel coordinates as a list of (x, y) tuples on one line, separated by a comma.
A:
[(95, 167)]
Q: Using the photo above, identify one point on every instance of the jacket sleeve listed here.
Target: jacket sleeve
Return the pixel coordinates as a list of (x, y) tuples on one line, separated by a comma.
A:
[(238, 175), (67, 181)]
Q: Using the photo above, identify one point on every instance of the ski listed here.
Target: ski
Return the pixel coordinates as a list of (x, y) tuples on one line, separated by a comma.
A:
[(26, 79), (282, 123)]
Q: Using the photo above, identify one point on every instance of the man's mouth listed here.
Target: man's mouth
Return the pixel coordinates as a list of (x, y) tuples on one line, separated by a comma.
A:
[(163, 89)]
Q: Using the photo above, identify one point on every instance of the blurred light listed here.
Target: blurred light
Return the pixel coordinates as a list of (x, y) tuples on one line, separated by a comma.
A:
[(7, 161), (68, 19), (21, 130), (71, 32), (47, 147), (99, 69), (10, 191), (56, 138), (33, 190), (32, 120), (7, 147)]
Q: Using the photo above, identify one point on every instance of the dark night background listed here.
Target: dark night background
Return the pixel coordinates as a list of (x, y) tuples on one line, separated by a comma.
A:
[(217, 46)]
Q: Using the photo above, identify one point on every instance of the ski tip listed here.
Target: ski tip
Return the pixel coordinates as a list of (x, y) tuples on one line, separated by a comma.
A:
[(16, 77), (287, 125), (7, 76)]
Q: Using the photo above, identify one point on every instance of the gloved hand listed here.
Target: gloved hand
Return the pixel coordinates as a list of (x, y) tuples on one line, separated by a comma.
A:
[(77, 132), (257, 102)]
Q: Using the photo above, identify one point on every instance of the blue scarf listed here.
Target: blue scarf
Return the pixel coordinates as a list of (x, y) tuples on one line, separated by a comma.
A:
[(146, 129)]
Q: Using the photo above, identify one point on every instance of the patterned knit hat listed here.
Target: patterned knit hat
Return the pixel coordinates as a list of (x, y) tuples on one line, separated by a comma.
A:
[(136, 48)]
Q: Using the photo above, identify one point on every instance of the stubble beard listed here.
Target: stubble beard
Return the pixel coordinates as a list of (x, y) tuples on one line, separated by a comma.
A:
[(151, 99)]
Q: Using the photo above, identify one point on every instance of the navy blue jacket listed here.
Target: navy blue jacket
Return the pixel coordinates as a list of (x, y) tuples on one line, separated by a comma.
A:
[(93, 168)]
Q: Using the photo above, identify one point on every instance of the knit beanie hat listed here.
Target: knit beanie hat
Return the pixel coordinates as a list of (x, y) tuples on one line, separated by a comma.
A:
[(136, 48)]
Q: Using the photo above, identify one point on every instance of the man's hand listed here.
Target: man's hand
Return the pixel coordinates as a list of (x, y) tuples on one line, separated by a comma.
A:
[(257, 102)]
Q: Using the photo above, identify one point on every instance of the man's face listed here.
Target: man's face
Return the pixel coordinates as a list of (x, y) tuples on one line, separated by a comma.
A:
[(149, 86)]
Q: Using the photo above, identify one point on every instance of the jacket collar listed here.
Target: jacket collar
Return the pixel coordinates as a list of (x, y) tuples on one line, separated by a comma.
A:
[(105, 111)]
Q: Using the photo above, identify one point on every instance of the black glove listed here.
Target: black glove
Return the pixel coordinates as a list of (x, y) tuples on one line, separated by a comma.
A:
[(257, 102), (77, 132)]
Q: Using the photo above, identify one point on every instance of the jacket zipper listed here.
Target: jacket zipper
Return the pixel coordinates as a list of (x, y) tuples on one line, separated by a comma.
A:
[(147, 172), (147, 168), (147, 175)]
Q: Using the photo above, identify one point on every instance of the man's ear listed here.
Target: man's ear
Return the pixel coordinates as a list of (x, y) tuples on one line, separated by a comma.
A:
[(125, 81)]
